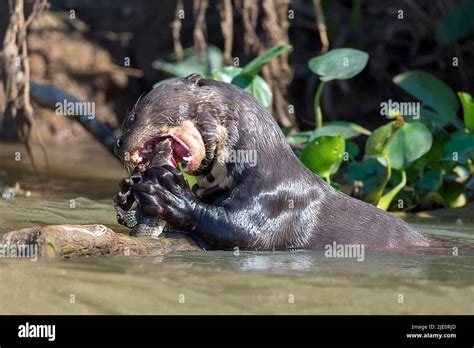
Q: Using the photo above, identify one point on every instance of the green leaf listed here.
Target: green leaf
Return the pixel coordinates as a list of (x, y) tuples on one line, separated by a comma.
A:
[(261, 91), (254, 67), (215, 58), (411, 142), (459, 148), (380, 138), (467, 109), (243, 80), (370, 172), (226, 74), (352, 149), (192, 63), (299, 138), (353, 126), (456, 24), (183, 68), (430, 181), (431, 91), (335, 129), (339, 64), (256, 86), (429, 115), (363, 170), (433, 156), (323, 155)]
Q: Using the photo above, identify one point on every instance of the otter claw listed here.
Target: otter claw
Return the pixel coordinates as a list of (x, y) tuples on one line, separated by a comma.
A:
[(121, 197)]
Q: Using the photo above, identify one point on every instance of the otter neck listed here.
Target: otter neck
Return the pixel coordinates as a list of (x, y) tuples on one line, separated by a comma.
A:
[(217, 183)]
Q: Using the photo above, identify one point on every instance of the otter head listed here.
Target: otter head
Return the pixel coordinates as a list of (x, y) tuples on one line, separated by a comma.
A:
[(185, 113)]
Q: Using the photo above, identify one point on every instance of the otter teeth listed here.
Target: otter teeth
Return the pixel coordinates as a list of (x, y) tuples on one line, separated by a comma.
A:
[(188, 158), (136, 158)]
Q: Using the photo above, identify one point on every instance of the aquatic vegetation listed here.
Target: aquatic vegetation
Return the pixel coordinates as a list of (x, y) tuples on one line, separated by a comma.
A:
[(425, 164), (421, 158), (210, 66)]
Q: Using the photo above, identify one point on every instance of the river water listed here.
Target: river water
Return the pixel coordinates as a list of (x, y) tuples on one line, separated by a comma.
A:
[(423, 281)]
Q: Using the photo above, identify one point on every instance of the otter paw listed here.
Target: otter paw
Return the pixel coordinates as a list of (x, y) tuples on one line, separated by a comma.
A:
[(163, 193)]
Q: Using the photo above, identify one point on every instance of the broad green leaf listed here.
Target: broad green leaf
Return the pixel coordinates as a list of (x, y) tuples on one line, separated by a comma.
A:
[(299, 138), (363, 170), (226, 74), (467, 109), (256, 86), (431, 91), (370, 172), (243, 80), (352, 149), (254, 67), (323, 155), (411, 142), (335, 129), (215, 58), (339, 64), (459, 148), (380, 138), (353, 126), (429, 115), (456, 24), (433, 156), (192, 63), (261, 91), (430, 181)]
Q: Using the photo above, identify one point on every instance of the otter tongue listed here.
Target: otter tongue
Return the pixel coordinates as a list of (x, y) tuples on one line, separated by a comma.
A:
[(162, 154), (180, 150)]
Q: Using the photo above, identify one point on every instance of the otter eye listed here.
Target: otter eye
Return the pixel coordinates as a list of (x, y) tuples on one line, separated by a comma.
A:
[(130, 120)]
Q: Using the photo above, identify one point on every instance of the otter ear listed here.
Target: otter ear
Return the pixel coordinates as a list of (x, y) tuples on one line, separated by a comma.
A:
[(194, 78)]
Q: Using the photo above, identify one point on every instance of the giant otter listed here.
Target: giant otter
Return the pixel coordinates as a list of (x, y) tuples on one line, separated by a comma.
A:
[(271, 203)]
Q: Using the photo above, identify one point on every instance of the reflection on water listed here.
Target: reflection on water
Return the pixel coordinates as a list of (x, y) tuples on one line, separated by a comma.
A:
[(434, 280), (220, 282), (420, 265), (431, 281)]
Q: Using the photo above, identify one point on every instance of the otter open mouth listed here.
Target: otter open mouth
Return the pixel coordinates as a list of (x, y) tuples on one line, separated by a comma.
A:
[(180, 151), (185, 146)]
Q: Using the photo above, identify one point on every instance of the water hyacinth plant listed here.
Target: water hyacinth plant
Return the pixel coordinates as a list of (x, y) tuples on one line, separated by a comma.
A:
[(410, 162)]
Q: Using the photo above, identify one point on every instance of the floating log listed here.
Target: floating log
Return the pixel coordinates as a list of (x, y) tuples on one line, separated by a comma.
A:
[(79, 241)]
